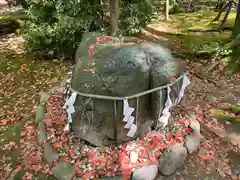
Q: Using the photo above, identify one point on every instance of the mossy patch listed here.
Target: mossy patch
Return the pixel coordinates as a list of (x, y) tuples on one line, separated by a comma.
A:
[(197, 43), (183, 22), (7, 19), (11, 133), (12, 22), (199, 20), (235, 158), (235, 109), (228, 114), (36, 176), (18, 15), (8, 24), (193, 33)]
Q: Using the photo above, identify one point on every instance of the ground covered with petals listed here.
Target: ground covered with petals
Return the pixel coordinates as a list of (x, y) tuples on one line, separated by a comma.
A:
[(112, 161), (22, 78)]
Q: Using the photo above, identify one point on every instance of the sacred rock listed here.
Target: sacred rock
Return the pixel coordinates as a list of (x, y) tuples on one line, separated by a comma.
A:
[(108, 67)]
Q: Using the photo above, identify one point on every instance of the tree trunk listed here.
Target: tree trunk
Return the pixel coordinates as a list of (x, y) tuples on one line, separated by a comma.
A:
[(226, 15), (236, 29), (114, 12), (167, 10), (222, 7)]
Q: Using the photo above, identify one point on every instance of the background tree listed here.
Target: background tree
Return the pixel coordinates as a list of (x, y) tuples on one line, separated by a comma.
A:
[(236, 29), (234, 64), (135, 14), (167, 9), (114, 12)]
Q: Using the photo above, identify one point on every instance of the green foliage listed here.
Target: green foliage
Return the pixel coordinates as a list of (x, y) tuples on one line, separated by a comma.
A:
[(217, 48), (55, 26), (228, 53), (135, 15)]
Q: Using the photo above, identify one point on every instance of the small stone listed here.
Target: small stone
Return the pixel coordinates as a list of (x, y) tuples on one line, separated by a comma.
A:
[(49, 154), (44, 97), (40, 112), (228, 123), (172, 159), (63, 171), (192, 143), (145, 173), (41, 133), (195, 126)]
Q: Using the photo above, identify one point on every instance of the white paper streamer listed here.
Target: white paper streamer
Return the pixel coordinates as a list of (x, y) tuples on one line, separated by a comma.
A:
[(186, 82), (71, 100), (132, 130), (70, 109), (127, 112), (166, 111), (69, 118), (166, 114), (66, 128), (129, 122), (69, 106), (125, 106)]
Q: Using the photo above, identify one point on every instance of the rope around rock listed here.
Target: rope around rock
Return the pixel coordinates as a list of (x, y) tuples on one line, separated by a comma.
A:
[(126, 97)]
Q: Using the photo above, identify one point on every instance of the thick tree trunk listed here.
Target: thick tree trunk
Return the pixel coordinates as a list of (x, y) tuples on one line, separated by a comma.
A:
[(114, 12), (234, 63), (236, 29)]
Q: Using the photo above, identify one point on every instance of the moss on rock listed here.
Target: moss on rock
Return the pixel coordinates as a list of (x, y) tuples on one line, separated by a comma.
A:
[(8, 24), (228, 114)]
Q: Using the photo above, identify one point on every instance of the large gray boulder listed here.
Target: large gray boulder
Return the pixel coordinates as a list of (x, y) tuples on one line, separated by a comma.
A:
[(116, 69)]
